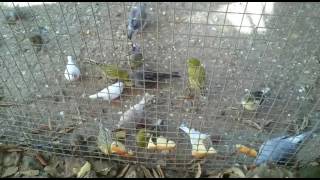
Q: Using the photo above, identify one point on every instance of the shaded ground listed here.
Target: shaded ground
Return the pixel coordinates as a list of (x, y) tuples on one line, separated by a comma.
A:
[(283, 58), (18, 162)]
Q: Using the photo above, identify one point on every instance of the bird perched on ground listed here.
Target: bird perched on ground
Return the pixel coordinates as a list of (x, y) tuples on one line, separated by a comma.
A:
[(135, 58), (142, 137), (113, 72), (137, 19), (251, 100), (109, 93), (72, 72), (135, 113), (137, 77), (14, 15), (197, 76), (148, 78), (201, 143), (281, 149), (144, 134), (39, 38)]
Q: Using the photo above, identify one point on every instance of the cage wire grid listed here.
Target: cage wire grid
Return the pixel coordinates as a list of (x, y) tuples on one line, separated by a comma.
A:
[(244, 45)]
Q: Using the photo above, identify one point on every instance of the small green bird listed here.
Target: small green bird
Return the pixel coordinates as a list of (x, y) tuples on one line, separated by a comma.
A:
[(197, 75), (149, 131), (115, 73), (142, 137), (252, 100)]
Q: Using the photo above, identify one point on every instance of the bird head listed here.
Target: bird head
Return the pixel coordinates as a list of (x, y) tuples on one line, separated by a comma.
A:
[(193, 62)]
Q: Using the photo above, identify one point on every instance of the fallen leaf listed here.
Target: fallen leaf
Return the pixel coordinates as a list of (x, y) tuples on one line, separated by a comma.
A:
[(10, 171), (41, 160), (102, 167), (52, 171), (160, 172), (132, 173), (155, 174), (14, 150), (199, 171), (233, 172), (84, 170), (146, 172), (30, 173), (124, 170)]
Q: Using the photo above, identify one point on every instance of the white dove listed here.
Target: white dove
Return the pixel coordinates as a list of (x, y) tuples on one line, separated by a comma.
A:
[(72, 72), (109, 93), (201, 143)]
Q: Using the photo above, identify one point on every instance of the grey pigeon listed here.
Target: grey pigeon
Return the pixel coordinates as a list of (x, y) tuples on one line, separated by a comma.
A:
[(281, 149), (136, 58), (150, 78), (137, 19)]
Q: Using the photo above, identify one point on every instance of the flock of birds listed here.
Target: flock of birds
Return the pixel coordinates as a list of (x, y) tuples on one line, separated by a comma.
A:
[(277, 150)]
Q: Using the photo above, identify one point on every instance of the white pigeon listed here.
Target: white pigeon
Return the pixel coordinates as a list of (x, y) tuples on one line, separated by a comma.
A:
[(201, 143), (72, 72), (109, 93)]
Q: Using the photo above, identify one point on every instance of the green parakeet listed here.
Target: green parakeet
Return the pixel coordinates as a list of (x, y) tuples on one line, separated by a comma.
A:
[(197, 75), (142, 137), (114, 73), (252, 100), (136, 59)]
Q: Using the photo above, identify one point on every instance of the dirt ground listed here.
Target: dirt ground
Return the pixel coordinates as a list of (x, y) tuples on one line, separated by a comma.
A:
[(285, 57)]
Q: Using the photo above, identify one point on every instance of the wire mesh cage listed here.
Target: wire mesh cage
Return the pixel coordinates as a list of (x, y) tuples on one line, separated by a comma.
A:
[(244, 47)]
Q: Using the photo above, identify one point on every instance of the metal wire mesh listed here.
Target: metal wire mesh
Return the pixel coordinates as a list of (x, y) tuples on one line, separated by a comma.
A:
[(242, 45)]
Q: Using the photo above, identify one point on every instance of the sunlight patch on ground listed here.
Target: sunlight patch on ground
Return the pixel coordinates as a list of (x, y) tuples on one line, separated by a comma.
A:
[(250, 17)]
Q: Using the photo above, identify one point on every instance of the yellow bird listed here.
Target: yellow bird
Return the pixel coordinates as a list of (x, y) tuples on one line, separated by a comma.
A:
[(196, 75)]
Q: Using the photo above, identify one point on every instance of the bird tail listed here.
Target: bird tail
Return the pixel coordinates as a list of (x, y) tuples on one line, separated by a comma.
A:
[(94, 96), (301, 137), (130, 33), (167, 75), (184, 128)]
